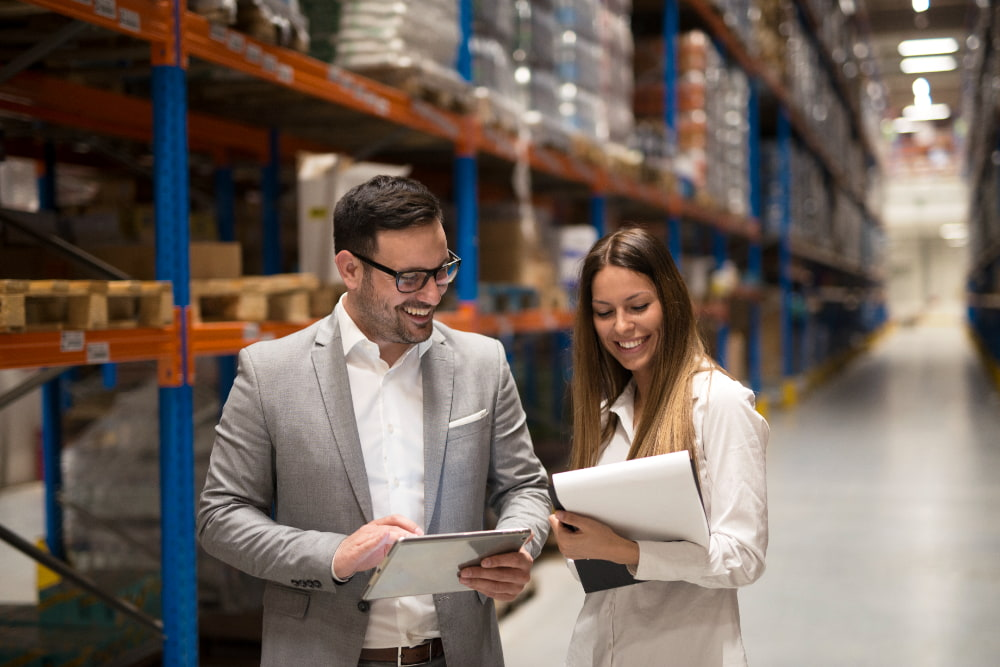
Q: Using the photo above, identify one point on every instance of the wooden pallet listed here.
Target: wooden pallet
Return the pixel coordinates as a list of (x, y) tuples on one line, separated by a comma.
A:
[(52, 305), (432, 84), (282, 297)]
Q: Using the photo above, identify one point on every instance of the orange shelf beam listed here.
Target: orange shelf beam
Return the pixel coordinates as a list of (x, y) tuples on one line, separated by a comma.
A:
[(145, 19), (68, 103), (218, 338), (79, 348), (315, 78)]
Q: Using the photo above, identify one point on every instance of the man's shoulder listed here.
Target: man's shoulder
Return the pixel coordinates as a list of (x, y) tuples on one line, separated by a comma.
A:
[(303, 339), (464, 342)]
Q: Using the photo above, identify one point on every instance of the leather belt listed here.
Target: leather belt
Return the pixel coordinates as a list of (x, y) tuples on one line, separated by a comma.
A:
[(405, 655)]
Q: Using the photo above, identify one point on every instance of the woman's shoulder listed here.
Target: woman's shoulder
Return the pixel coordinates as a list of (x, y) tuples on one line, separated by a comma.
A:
[(715, 384)]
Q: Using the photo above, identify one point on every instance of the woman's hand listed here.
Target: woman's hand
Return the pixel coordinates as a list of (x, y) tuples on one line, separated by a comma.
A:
[(581, 537)]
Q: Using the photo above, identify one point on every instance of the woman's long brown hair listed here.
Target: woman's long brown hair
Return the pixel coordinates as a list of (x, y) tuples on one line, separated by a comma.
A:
[(666, 423)]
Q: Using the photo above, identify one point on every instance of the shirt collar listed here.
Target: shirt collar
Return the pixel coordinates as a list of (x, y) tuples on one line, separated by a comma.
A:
[(352, 336), (624, 409)]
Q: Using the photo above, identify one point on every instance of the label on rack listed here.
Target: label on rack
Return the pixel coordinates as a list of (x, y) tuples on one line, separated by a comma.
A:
[(99, 353), (254, 53), (106, 8), (129, 19), (218, 33), (285, 73), (270, 63), (71, 341), (251, 331), (236, 42)]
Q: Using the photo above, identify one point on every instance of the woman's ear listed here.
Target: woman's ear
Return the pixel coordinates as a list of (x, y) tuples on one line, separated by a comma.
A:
[(349, 268)]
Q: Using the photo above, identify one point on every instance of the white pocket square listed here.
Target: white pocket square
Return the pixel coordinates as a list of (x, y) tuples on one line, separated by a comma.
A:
[(476, 416)]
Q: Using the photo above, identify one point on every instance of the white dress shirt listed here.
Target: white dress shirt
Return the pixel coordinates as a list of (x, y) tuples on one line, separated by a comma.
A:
[(388, 408), (685, 612)]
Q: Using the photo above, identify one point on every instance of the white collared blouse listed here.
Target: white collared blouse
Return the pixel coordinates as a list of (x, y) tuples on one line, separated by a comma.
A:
[(685, 613)]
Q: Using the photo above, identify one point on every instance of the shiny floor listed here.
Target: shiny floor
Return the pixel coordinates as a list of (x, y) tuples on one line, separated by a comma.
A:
[(884, 489), (884, 493)]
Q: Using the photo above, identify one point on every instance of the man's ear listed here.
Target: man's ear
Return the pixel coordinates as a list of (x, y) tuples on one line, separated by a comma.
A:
[(350, 269)]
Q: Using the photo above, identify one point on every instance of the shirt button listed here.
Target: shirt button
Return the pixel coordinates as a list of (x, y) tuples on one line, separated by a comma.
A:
[(392, 429), (363, 606)]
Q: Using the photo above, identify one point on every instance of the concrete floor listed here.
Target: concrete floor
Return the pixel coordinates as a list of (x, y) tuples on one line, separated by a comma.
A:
[(884, 489)]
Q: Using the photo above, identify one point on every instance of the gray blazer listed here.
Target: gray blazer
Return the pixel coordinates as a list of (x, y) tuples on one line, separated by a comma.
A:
[(287, 447)]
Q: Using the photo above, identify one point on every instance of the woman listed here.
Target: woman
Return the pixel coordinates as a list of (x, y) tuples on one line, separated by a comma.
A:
[(644, 385)]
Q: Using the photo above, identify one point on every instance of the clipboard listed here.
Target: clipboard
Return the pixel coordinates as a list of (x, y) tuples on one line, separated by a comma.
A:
[(428, 564), (651, 498)]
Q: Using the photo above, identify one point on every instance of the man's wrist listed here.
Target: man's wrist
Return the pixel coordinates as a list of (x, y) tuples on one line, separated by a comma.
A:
[(333, 569)]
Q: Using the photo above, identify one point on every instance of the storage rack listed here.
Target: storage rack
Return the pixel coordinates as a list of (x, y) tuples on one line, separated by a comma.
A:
[(984, 180), (309, 104)]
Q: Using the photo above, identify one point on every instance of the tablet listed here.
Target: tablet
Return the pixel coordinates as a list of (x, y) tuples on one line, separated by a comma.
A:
[(428, 564)]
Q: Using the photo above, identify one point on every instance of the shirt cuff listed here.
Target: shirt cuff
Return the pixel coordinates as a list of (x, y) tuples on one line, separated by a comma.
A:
[(336, 579)]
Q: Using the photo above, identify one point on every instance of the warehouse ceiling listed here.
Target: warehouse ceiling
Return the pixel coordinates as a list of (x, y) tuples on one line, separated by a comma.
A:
[(892, 21)]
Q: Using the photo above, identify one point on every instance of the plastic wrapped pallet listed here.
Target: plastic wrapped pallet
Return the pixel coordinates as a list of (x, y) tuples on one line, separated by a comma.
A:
[(216, 11), (274, 21), (388, 33)]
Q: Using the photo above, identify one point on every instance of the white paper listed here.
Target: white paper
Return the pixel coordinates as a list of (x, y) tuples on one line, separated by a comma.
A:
[(652, 498)]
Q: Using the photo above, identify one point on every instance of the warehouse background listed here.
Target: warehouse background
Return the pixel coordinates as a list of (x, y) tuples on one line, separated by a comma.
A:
[(169, 189)]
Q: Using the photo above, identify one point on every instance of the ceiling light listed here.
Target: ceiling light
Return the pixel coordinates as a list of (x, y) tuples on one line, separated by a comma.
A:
[(928, 64), (927, 112), (927, 47), (904, 126), (921, 89), (921, 5)]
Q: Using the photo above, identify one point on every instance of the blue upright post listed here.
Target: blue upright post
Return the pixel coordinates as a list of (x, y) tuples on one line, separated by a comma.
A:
[(170, 182), (51, 394), (52, 465), (785, 255), (671, 30), (225, 221), (720, 250), (599, 214), (755, 255), (271, 195), (674, 241), (467, 210), (466, 181)]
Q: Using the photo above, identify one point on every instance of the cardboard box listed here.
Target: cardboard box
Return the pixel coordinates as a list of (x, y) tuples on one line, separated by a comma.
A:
[(209, 259)]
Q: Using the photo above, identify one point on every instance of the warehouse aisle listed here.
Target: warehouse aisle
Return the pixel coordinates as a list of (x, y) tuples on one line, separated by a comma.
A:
[(884, 489)]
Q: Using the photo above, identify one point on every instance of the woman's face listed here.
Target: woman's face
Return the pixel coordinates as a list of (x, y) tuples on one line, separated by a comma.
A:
[(628, 318)]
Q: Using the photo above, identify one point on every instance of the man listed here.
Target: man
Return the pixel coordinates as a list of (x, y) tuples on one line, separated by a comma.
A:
[(372, 424)]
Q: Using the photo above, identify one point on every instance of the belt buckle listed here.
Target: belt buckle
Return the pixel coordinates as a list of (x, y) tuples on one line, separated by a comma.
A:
[(430, 656)]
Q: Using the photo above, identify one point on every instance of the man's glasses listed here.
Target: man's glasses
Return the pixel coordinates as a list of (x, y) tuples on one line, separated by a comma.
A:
[(414, 280)]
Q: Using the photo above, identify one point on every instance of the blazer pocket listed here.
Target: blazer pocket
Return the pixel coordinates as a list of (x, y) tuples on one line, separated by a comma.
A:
[(286, 601), (468, 419)]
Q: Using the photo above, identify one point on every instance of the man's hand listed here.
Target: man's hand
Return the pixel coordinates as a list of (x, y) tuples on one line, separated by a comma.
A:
[(580, 537), (367, 546), (502, 576)]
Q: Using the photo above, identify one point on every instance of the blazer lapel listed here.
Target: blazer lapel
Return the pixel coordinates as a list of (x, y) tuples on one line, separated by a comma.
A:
[(437, 368), (335, 387)]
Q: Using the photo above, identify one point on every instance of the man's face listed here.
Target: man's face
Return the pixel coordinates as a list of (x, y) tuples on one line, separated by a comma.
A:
[(388, 317)]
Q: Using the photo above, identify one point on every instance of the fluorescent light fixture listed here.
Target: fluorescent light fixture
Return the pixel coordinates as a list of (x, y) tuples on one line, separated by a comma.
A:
[(921, 5), (904, 126), (928, 64), (921, 89), (926, 112), (954, 231), (927, 47)]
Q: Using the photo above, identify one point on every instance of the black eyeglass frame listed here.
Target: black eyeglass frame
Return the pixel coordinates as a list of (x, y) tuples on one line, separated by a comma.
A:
[(454, 260)]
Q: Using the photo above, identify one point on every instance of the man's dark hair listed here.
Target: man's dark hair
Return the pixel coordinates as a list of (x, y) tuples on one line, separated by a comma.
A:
[(379, 204)]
